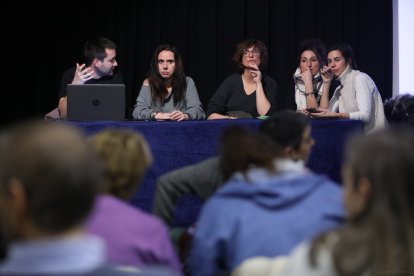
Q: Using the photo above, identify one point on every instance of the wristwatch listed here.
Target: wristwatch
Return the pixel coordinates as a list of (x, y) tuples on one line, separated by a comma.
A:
[(153, 115)]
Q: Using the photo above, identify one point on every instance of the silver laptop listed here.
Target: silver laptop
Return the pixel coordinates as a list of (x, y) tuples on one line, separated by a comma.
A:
[(96, 102)]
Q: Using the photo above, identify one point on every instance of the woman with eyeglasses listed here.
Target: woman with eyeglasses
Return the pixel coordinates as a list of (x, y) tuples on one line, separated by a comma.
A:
[(310, 83), (248, 93)]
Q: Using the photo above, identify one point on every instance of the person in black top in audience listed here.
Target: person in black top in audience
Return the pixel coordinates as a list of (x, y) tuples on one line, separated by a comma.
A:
[(249, 93), (100, 66), (400, 109)]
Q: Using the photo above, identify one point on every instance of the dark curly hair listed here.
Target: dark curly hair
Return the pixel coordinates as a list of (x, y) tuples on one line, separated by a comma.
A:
[(315, 45), (400, 109), (347, 53)]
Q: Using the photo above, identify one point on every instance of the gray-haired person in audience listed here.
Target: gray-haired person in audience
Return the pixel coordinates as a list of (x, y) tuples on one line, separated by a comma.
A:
[(49, 177)]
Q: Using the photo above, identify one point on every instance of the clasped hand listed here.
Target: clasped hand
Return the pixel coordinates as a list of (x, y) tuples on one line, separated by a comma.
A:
[(176, 115)]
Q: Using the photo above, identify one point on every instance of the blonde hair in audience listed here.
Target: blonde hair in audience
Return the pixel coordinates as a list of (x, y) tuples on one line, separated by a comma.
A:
[(126, 157)]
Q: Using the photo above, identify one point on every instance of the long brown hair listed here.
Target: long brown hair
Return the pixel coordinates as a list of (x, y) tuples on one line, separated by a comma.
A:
[(241, 149), (380, 239), (157, 84)]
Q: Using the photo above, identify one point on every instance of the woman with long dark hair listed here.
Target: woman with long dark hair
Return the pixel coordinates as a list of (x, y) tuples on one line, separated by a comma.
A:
[(167, 93)]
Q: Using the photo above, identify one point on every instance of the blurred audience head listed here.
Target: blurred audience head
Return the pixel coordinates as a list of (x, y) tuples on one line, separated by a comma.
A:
[(292, 132), (378, 186), (384, 160), (126, 157), (48, 180), (400, 109), (242, 149)]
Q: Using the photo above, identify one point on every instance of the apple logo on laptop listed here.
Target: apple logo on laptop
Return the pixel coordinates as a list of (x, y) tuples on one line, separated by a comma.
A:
[(96, 102)]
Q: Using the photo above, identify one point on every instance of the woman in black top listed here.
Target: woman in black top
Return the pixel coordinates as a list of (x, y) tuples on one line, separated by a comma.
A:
[(248, 93)]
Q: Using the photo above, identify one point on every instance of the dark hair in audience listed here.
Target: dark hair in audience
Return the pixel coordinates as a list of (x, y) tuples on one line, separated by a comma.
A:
[(57, 169), (96, 47), (157, 83), (347, 53), (241, 149), (380, 238), (286, 128), (315, 45), (400, 109), (246, 44)]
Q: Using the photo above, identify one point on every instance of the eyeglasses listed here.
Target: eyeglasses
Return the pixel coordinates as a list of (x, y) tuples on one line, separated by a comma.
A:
[(246, 52)]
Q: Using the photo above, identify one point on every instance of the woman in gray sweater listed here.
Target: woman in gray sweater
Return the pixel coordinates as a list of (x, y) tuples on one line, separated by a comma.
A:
[(166, 93)]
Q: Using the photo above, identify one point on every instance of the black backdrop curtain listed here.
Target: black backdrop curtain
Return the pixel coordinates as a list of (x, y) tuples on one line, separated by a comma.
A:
[(46, 38)]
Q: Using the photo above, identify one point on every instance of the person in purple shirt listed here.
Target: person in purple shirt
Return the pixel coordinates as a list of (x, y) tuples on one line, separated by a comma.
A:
[(49, 177), (132, 236)]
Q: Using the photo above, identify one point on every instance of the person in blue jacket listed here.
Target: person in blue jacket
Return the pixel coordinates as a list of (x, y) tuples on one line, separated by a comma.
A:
[(271, 201)]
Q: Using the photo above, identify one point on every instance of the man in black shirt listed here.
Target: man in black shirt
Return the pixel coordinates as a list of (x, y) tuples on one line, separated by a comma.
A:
[(99, 67)]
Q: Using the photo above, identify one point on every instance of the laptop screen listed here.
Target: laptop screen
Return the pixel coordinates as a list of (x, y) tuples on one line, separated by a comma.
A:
[(96, 102)]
